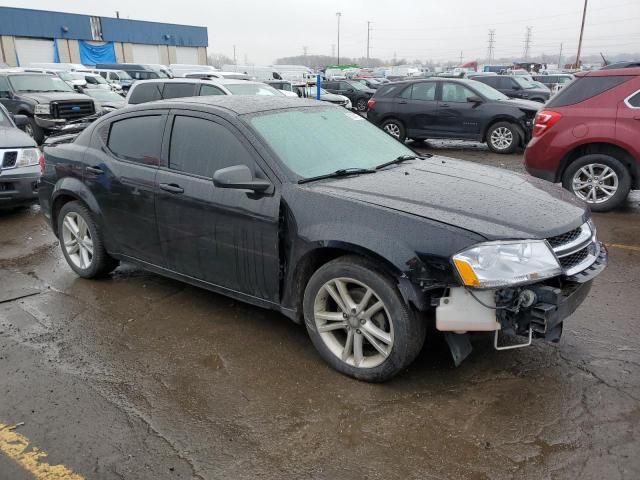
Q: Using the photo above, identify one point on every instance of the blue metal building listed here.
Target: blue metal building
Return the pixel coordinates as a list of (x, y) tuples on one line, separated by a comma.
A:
[(38, 36)]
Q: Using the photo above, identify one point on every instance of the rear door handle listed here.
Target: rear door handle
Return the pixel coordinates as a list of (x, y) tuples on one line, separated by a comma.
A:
[(171, 188), (95, 170)]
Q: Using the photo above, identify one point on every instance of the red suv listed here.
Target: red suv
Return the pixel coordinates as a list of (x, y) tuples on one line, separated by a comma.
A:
[(588, 137)]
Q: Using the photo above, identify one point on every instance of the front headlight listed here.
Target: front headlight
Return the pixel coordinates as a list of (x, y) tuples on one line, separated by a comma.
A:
[(42, 109), (27, 157), (501, 264)]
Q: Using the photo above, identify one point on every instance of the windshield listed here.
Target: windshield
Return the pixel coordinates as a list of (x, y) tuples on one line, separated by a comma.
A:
[(486, 91), (317, 141), (104, 95), (251, 89), (38, 83), (4, 120), (358, 86), (526, 84)]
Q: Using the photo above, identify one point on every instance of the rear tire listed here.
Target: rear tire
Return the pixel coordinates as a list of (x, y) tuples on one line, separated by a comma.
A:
[(82, 242), (599, 175), (374, 334), (361, 105), (395, 128), (503, 138)]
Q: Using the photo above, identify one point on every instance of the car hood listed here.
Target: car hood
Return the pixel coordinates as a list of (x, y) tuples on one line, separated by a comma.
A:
[(525, 104), (332, 97), (489, 201), (46, 97), (12, 137), (121, 104)]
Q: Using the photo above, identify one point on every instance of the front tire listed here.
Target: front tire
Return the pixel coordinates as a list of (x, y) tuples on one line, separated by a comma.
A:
[(395, 128), (82, 243), (359, 322), (503, 138), (600, 180)]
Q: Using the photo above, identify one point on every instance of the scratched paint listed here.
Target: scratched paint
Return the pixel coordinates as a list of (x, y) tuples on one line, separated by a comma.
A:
[(17, 447)]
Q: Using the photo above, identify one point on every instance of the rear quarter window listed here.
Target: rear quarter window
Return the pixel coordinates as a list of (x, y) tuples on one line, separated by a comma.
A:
[(634, 101), (584, 88), (143, 93)]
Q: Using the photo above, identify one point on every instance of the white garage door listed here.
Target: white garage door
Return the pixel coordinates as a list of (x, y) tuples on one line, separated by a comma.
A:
[(146, 53), (31, 50), (187, 55)]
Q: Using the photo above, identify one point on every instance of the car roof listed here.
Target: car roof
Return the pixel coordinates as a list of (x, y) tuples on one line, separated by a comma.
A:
[(22, 72), (237, 104), (213, 81), (629, 71)]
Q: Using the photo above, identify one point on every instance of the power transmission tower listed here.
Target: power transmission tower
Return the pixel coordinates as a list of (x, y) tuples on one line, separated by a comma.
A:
[(584, 15), (560, 58), (305, 50), (492, 42), (527, 43), (368, 42), (338, 14)]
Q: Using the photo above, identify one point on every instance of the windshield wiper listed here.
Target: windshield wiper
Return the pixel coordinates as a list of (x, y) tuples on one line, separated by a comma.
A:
[(343, 172), (402, 158)]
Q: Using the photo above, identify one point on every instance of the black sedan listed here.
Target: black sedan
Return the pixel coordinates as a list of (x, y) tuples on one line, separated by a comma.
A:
[(19, 162), (452, 108), (304, 208)]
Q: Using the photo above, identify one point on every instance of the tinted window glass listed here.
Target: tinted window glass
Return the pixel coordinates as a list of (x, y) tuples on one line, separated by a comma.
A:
[(137, 139), (4, 87), (424, 91), (210, 90), (345, 86), (583, 88), (505, 83), (406, 93), (491, 81), (201, 147), (635, 100), (329, 85), (456, 93), (143, 93), (178, 90)]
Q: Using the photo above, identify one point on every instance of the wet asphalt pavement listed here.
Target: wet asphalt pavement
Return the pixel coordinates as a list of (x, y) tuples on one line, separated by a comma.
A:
[(141, 377)]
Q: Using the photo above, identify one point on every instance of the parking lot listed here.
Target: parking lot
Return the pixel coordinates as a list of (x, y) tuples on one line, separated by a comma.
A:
[(141, 377)]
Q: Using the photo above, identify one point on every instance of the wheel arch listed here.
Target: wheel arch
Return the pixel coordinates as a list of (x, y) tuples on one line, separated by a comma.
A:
[(605, 148), (313, 259), (71, 189)]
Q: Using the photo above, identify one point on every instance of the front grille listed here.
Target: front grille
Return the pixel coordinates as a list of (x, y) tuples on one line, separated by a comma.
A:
[(9, 160), (70, 110), (564, 238), (574, 259)]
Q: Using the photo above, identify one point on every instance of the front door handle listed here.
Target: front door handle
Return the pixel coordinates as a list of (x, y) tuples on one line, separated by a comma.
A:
[(446, 105), (95, 170), (171, 188)]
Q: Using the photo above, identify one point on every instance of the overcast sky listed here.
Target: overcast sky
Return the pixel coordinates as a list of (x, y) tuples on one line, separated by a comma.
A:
[(413, 29)]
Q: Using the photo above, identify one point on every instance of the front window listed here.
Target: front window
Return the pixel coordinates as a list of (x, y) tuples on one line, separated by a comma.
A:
[(357, 86), (251, 89), (104, 95), (38, 83), (123, 75), (524, 83), (486, 91), (325, 140)]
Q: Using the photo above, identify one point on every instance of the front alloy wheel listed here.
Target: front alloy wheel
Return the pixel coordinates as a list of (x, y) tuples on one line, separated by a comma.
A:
[(503, 137), (353, 322), (77, 240)]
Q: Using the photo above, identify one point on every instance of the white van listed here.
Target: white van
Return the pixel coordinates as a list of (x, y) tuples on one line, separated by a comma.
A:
[(258, 72), (181, 69)]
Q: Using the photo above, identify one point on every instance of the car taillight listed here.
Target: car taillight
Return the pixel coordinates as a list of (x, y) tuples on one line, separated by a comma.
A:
[(371, 103), (544, 121), (41, 163)]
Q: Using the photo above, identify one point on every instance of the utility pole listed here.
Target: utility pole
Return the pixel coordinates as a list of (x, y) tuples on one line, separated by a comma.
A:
[(461, 57), (305, 50), (368, 42), (338, 14), (560, 58), (584, 15), (235, 62), (492, 41), (527, 43)]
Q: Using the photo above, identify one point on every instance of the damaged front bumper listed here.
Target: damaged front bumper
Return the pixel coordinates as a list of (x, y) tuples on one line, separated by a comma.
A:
[(530, 311)]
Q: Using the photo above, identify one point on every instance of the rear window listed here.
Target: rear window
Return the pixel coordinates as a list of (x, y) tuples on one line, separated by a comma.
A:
[(137, 139), (584, 88), (178, 90), (143, 93), (391, 89)]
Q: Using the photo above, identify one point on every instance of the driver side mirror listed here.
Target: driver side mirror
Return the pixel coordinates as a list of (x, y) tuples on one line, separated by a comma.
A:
[(239, 177), (474, 99), (20, 120)]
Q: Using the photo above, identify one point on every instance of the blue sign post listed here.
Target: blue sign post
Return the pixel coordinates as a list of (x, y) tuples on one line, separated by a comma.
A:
[(318, 86)]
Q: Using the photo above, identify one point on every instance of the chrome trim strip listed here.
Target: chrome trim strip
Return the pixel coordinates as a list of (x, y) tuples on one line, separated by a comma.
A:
[(586, 263), (626, 101)]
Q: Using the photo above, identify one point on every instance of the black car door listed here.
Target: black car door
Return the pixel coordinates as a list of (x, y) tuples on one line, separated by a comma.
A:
[(6, 97), (120, 171), (418, 109), (458, 117), (221, 236)]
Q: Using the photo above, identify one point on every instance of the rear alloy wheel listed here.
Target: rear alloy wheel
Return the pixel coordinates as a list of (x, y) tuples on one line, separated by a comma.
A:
[(503, 137), (395, 128), (361, 105), (359, 322), (600, 180), (82, 243)]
